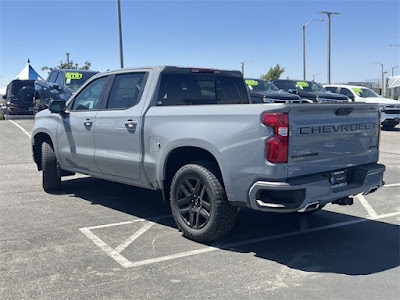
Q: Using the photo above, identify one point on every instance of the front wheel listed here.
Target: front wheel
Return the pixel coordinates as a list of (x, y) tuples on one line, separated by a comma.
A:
[(199, 204), (51, 179)]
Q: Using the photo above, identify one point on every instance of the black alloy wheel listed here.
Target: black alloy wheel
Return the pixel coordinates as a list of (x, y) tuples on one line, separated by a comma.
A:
[(199, 204)]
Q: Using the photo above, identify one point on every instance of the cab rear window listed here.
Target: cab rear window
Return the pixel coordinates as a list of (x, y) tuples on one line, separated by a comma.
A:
[(195, 89)]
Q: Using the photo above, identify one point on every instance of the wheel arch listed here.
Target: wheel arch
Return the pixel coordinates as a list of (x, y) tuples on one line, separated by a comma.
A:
[(183, 155), (38, 140)]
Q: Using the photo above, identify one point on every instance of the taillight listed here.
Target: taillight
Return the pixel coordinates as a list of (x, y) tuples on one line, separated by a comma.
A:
[(379, 128), (277, 146)]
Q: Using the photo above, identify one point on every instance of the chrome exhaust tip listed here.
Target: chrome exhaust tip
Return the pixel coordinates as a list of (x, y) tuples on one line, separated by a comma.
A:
[(371, 190), (309, 207)]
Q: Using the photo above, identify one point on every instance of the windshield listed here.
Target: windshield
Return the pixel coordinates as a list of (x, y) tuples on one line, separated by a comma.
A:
[(261, 85), (74, 80), (310, 86), (365, 93)]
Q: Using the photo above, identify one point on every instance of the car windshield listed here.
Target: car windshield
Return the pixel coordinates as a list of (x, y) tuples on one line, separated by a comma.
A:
[(310, 86), (365, 93), (74, 80), (261, 85)]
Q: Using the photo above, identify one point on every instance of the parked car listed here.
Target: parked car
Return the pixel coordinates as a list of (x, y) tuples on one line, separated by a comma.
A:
[(264, 91), (309, 90), (192, 134), (19, 97), (60, 85), (390, 109)]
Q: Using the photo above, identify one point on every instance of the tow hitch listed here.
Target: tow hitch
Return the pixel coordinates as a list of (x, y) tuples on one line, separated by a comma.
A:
[(344, 201)]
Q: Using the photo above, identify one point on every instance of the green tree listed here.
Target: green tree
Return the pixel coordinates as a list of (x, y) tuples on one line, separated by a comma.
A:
[(273, 73), (68, 65)]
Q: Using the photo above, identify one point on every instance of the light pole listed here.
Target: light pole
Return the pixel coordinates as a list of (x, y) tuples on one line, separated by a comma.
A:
[(304, 45), (243, 63), (329, 13), (382, 91), (398, 45), (393, 70), (121, 55)]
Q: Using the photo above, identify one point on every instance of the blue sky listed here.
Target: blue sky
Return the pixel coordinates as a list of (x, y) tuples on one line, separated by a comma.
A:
[(217, 34)]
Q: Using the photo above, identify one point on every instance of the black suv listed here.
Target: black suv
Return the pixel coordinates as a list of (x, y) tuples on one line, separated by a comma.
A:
[(309, 90), (60, 85), (19, 97), (264, 91)]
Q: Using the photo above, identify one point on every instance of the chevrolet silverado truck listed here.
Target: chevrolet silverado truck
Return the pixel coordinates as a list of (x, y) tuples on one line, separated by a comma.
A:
[(193, 134), (60, 84), (310, 90), (390, 109), (264, 91)]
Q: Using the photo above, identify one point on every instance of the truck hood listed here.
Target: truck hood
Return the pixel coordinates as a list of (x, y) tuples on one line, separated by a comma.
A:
[(275, 95), (313, 95), (380, 100)]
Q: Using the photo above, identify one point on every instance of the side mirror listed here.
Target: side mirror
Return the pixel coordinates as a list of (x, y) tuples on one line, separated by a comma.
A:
[(4, 97), (351, 97), (55, 86), (292, 91), (57, 106)]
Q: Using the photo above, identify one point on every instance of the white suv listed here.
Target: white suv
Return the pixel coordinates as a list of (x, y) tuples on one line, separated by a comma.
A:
[(390, 109)]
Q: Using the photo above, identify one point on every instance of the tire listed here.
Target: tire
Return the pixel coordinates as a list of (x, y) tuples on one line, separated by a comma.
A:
[(51, 179), (26, 95), (199, 204), (389, 127)]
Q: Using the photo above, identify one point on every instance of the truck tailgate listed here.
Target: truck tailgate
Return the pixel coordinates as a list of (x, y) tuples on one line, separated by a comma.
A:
[(326, 137)]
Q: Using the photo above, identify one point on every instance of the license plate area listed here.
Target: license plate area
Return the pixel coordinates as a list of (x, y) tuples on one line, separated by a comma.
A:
[(338, 179)]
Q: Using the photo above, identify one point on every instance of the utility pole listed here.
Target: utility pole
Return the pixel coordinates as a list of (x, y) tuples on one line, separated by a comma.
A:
[(329, 13), (304, 46), (383, 83), (243, 63), (121, 55), (67, 59), (393, 70)]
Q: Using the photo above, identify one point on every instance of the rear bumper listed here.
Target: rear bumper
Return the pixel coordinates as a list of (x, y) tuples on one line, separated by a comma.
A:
[(296, 194)]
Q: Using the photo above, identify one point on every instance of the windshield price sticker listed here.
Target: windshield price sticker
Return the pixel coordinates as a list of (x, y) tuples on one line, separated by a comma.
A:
[(302, 83), (251, 82), (73, 75), (357, 90)]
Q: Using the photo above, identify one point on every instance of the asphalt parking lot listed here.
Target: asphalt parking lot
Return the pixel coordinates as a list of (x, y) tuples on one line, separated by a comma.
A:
[(102, 240)]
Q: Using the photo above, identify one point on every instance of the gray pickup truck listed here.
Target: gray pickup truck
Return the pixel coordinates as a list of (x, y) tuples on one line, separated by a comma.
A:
[(192, 134)]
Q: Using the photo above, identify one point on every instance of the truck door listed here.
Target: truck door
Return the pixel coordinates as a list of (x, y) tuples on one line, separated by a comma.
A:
[(118, 127), (75, 136)]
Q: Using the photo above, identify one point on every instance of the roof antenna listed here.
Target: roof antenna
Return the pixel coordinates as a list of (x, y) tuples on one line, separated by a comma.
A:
[(29, 61)]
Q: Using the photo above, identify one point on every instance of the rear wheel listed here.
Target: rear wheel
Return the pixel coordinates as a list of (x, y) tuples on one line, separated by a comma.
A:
[(199, 203), (51, 178)]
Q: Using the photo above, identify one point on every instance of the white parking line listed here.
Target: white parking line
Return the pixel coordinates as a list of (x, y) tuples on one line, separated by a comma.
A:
[(367, 206), (20, 127), (133, 237), (128, 264), (390, 185)]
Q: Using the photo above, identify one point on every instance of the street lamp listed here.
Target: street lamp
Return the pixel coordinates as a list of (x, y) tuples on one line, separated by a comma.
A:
[(121, 55), (243, 63), (304, 45), (398, 45), (393, 69), (329, 13), (67, 59), (382, 91)]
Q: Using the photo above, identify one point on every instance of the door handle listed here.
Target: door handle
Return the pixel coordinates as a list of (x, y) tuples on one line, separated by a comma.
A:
[(88, 123), (130, 124)]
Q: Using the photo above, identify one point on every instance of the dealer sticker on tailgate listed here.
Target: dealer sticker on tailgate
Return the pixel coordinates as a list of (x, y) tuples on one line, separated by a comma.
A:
[(338, 179)]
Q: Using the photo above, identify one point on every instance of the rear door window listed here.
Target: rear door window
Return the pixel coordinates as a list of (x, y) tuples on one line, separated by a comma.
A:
[(331, 89), (194, 89), (126, 90)]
